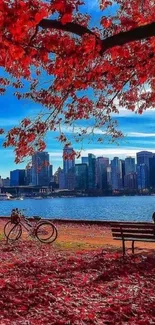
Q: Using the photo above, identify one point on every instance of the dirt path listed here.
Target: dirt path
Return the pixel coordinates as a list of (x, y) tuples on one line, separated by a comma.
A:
[(84, 236)]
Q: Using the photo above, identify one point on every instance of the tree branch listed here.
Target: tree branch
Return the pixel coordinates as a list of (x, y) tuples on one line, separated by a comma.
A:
[(119, 39), (69, 27), (134, 34)]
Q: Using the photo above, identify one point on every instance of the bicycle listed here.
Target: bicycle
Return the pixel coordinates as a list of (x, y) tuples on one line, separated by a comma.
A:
[(44, 231)]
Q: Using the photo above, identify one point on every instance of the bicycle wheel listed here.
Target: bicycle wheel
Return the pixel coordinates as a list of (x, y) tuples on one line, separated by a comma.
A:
[(46, 232), (12, 231)]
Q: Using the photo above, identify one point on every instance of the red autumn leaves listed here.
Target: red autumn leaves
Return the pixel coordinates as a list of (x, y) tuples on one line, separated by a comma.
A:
[(44, 285)]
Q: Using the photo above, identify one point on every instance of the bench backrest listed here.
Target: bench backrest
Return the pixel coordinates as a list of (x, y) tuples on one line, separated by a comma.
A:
[(135, 231)]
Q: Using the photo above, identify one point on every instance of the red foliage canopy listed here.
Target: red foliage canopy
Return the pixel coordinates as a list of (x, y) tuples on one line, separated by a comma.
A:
[(56, 41)]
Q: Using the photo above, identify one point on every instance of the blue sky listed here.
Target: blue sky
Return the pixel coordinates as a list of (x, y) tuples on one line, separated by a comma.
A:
[(139, 130)]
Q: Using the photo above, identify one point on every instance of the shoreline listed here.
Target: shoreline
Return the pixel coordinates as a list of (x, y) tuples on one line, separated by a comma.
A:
[(82, 221), (83, 235)]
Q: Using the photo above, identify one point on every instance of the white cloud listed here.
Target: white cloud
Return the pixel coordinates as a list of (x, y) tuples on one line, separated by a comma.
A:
[(55, 154), (140, 134), (105, 152), (70, 129), (115, 152)]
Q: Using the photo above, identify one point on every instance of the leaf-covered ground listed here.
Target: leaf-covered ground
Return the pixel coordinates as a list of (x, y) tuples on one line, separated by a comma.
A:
[(43, 285)]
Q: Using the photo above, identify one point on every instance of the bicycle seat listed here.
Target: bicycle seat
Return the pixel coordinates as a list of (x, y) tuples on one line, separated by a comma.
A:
[(37, 218)]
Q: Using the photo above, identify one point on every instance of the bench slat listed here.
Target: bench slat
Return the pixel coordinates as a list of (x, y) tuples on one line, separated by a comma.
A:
[(136, 236), (133, 239), (134, 231)]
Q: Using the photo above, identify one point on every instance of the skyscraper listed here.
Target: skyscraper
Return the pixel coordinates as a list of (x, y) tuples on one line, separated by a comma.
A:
[(91, 171), (56, 175), (101, 172), (81, 176), (122, 173), (40, 169), (61, 179), (143, 157), (17, 177), (68, 160), (130, 181), (142, 176), (68, 167), (109, 176), (50, 173), (152, 171), (129, 165), (84, 160), (116, 174), (6, 181), (28, 176)]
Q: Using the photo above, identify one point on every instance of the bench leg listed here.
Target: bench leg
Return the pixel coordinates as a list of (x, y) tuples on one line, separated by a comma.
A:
[(133, 247), (123, 242)]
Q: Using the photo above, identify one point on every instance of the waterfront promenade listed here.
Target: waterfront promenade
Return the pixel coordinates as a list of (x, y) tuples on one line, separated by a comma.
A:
[(84, 235)]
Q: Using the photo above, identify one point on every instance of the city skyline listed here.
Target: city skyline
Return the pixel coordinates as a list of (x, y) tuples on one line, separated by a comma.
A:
[(92, 174), (80, 160)]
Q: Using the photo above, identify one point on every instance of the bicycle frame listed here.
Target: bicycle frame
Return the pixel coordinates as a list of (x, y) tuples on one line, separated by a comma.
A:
[(27, 225)]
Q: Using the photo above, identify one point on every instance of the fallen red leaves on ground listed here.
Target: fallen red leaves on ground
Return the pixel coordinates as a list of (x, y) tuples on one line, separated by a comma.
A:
[(40, 284)]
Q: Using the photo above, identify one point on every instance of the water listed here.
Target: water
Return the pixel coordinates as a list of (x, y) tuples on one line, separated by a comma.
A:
[(124, 208)]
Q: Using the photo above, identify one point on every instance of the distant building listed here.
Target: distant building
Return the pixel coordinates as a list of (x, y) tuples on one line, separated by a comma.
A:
[(70, 179), (130, 181), (105, 161), (1, 182), (130, 165), (17, 177), (143, 157), (101, 173), (109, 176), (122, 173), (40, 169), (152, 171), (56, 175), (28, 176), (50, 173), (142, 177), (84, 160), (68, 160), (81, 176), (91, 171), (116, 174), (6, 182), (61, 177), (68, 167)]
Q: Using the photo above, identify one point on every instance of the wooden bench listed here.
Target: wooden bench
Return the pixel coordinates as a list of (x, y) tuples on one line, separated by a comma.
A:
[(132, 231)]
